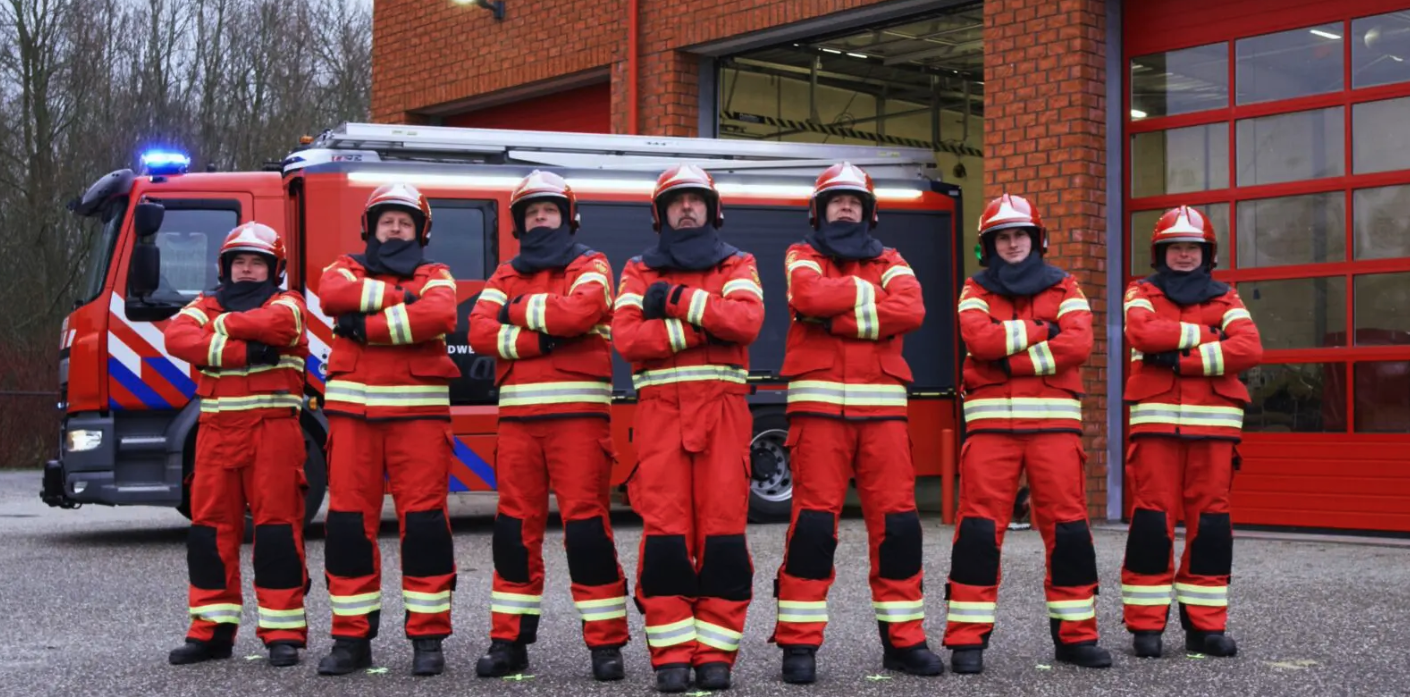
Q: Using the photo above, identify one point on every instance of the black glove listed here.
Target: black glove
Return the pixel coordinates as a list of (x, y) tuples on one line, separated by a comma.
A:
[(1220, 332), (260, 354), (548, 343), (352, 326), (1053, 330), (676, 293), (1003, 364), (504, 313), (408, 297), (824, 322), (653, 304), (1164, 359)]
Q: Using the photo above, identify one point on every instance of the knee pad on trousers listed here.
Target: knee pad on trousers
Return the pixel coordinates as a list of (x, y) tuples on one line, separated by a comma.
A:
[(900, 550), (426, 547), (1074, 560), (592, 558), (813, 546), (203, 562), (277, 564), (1212, 551), (511, 557), (974, 560), (666, 567), (1147, 546), (726, 572), (349, 552)]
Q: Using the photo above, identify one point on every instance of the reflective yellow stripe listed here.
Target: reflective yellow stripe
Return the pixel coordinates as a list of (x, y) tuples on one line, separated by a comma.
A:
[(285, 363), (604, 609), (1042, 356), (1145, 595), (1189, 335), (1207, 596), (802, 611), (1072, 610), (1136, 355), (972, 612), (196, 314), (846, 394), (675, 332), (1021, 408), (1015, 336), (536, 312), (899, 610), (603, 330), (218, 613), (589, 277), (348, 275), (973, 304), (282, 619), (353, 605), (509, 341), (715, 636), (426, 603), (627, 300), (219, 326), (804, 264), (398, 324), (555, 393), (372, 292), (695, 313), (212, 405), (1234, 315), (697, 373), (515, 603), (1186, 415), (437, 283), (387, 395), (895, 272), (214, 354), (671, 634), (298, 318), (1073, 305), (1211, 356), (743, 284), (868, 323), (490, 295), (1138, 302)]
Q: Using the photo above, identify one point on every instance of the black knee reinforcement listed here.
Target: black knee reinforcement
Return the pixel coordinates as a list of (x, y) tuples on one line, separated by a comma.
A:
[(203, 562), (426, 547), (1147, 546), (813, 546), (349, 552), (1074, 560), (277, 563), (974, 560), (900, 550), (726, 572), (666, 567), (1212, 551), (511, 557), (592, 558)]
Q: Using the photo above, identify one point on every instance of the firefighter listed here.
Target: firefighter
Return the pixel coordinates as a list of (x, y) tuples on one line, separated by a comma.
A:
[(1028, 329), (247, 338), (852, 300), (1190, 338), (388, 405), (687, 311), (546, 316)]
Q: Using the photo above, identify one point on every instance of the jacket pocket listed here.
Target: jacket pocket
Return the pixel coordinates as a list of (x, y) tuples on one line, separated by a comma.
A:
[(810, 355), (1148, 383), (1231, 387), (894, 365), (343, 359), (437, 365)]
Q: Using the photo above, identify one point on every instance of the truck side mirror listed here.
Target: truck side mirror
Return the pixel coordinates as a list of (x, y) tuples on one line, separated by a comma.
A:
[(144, 273), (147, 218)]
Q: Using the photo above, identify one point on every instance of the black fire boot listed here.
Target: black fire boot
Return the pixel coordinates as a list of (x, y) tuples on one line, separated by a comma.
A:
[(1083, 655), (800, 664), (347, 656), (916, 660), (427, 657), (503, 658), (967, 661), (712, 676), (1147, 644), (673, 677), (196, 651), (1210, 643), (607, 664), (283, 654)]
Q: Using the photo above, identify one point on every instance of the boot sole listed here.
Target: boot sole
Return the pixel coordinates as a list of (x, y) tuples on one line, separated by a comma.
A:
[(966, 670), (429, 671), (361, 665), (1105, 664), (891, 664), (511, 670)]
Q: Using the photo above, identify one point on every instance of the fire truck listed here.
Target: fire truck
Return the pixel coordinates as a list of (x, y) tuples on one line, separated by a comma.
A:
[(130, 415)]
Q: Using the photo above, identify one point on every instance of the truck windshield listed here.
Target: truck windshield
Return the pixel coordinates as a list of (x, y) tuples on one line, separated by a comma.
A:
[(100, 251)]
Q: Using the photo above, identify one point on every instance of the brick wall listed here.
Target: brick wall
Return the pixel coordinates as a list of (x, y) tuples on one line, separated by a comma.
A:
[(1045, 139)]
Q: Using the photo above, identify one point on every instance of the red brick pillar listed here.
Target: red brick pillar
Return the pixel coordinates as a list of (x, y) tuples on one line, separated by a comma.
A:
[(1045, 139), (668, 99)]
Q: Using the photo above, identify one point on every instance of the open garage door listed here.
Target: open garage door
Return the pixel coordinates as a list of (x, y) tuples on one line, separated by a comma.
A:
[(580, 110), (914, 83)]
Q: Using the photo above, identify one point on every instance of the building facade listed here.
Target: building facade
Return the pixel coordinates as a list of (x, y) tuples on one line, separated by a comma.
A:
[(1282, 120)]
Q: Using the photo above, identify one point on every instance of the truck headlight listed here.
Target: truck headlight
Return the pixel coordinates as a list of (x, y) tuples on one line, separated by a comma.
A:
[(82, 441)]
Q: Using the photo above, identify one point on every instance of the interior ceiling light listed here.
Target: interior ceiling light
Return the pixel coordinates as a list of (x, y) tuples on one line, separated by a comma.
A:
[(1325, 34), (495, 6), (1138, 114)]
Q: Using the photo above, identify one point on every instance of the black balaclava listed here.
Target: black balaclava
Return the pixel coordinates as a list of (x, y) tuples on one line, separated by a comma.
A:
[(687, 249), (842, 239), (1187, 287), (398, 258), (544, 247)]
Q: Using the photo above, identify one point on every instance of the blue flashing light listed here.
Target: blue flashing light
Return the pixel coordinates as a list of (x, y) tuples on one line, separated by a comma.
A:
[(165, 162)]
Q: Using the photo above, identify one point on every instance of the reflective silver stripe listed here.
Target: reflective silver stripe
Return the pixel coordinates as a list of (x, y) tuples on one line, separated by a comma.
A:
[(603, 330), (894, 272), (555, 393), (675, 333), (509, 341), (846, 394), (804, 264), (387, 395), (1138, 302), (1015, 336), (214, 354), (398, 324), (972, 612), (1211, 357), (589, 277), (671, 634), (372, 292), (699, 373), (282, 619), (515, 603), (1042, 356), (435, 283), (196, 314), (973, 304), (899, 610), (1145, 595), (298, 318), (426, 603), (490, 295), (605, 609), (865, 310), (1072, 610), (745, 285), (627, 300), (211, 405), (285, 363), (218, 613), (802, 611), (346, 274), (1073, 305), (1189, 335), (219, 326), (1235, 315), (1208, 596), (715, 636), (536, 312), (695, 313), (1022, 408), (1136, 355), (353, 605), (1187, 415)]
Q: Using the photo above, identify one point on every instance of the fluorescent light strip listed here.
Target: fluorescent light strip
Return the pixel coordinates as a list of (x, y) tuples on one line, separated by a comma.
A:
[(1325, 34), (621, 186)]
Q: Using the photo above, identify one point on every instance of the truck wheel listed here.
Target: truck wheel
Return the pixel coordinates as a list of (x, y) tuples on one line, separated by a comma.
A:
[(771, 497)]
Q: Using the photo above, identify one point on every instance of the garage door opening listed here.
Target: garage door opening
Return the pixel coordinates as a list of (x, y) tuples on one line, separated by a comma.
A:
[(916, 83)]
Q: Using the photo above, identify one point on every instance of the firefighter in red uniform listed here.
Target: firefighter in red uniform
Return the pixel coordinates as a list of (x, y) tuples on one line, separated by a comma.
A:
[(388, 405), (546, 316), (852, 300), (248, 340), (1190, 338), (686, 312), (1028, 329)]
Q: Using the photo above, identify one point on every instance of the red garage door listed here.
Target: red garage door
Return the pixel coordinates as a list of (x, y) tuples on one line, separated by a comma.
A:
[(581, 110), (1284, 121)]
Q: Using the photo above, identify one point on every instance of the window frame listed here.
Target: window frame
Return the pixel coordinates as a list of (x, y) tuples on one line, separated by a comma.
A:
[(489, 238)]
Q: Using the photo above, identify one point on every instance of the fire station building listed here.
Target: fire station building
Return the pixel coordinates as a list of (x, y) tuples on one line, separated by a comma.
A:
[(1283, 120)]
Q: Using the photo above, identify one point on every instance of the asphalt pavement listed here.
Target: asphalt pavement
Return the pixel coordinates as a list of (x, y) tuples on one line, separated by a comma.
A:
[(92, 600)]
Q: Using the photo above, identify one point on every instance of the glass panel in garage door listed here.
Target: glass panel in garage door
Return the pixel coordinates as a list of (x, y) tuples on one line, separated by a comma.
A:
[(1288, 64), (1292, 230), (1296, 398), (1383, 397), (1380, 139), (1180, 82), (1291, 147), (1380, 49), (1298, 313), (1180, 160), (1382, 222), (1382, 309)]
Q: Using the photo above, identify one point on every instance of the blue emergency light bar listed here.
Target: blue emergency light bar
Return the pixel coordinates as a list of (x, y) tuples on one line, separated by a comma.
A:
[(165, 162)]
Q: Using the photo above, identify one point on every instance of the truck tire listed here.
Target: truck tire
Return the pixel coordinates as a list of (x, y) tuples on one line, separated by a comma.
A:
[(771, 497)]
